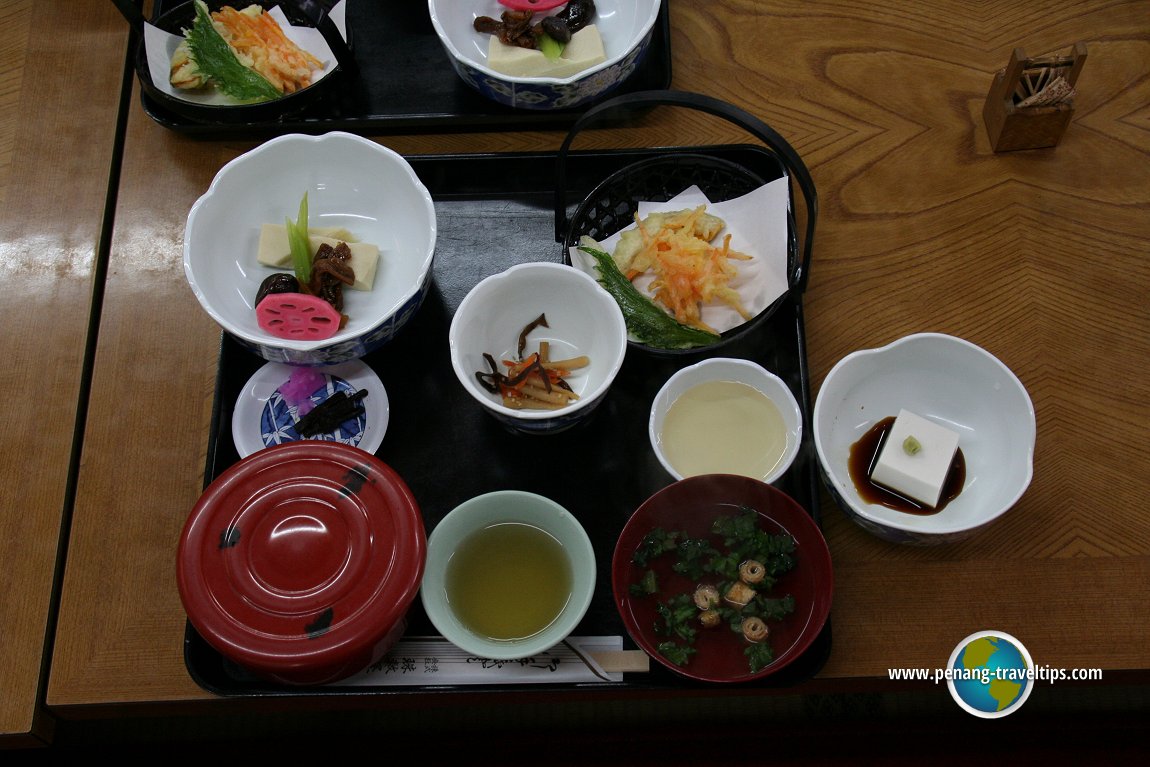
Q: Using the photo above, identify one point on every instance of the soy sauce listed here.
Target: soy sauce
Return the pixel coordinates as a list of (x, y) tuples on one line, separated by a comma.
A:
[(863, 456)]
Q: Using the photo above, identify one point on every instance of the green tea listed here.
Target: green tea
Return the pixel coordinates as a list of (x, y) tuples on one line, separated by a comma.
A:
[(508, 581)]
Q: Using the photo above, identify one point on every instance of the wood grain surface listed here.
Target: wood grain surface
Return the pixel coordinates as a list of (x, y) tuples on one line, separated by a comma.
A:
[(59, 97), (1037, 256)]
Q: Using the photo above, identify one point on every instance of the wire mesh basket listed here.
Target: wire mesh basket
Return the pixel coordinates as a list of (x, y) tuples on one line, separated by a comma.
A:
[(611, 206)]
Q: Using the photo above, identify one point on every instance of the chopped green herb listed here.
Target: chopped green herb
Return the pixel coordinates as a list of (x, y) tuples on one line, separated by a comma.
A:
[(695, 555), (647, 586), (744, 540), (654, 543), (678, 654), (678, 617), (759, 656)]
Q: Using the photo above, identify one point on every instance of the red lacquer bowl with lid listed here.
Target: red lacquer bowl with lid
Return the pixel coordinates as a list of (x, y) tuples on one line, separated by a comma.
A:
[(300, 562)]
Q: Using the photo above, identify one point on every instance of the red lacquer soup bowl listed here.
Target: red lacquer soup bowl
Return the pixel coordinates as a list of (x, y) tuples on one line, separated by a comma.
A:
[(300, 562), (645, 592)]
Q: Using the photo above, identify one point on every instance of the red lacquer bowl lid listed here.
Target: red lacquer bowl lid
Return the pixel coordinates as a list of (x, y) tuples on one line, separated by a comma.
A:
[(299, 563), (692, 505)]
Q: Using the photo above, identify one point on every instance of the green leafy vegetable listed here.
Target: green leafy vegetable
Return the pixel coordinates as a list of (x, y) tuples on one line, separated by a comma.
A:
[(647, 586), (678, 654), (217, 61), (759, 656), (654, 543), (744, 540), (695, 555), (741, 541), (677, 614), (300, 244), (645, 319)]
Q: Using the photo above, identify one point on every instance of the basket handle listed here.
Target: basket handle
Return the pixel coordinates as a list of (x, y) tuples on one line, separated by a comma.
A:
[(320, 16), (643, 99)]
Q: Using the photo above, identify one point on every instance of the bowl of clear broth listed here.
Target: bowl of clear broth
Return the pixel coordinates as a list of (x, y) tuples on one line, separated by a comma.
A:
[(722, 578), (726, 416), (509, 575)]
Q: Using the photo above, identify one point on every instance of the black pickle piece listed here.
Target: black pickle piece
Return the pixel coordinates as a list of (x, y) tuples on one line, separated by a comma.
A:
[(578, 14), (280, 282), (557, 29)]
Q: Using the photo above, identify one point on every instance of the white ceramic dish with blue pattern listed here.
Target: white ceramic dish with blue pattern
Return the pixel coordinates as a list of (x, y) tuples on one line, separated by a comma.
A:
[(582, 320), (953, 383), (265, 414), (351, 182), (625, 26)]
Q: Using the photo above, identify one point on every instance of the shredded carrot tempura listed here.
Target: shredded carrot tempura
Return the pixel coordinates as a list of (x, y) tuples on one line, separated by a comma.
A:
[(259, 38), (689, 271)]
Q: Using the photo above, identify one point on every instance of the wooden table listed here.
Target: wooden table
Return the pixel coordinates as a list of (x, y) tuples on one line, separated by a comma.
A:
[(1037, 256), (60, 88)]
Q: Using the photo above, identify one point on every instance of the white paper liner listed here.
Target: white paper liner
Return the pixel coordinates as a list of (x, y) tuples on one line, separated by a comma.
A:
[(160, 46), (757, 223), (433, 661)]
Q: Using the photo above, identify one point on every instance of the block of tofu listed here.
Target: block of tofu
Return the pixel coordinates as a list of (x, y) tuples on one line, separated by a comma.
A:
[(275, 252), (915, 458), (583, 52)]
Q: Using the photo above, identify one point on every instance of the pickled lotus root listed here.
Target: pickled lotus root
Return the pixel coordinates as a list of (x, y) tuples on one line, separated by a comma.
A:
[(297, 317), (754, 629), (330, 271), (752, 572)]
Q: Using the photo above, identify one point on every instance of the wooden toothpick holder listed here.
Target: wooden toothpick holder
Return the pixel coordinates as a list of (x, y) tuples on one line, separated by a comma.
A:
[(1012, 126)]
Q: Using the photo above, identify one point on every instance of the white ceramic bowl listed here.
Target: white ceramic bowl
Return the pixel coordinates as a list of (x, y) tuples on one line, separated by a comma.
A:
[(739, 371), (946, 380), (507, 507), (582, 318), (625, 26), (351, 182)]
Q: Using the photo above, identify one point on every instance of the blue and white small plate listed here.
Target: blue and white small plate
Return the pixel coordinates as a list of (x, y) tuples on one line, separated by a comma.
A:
[(262, 417)]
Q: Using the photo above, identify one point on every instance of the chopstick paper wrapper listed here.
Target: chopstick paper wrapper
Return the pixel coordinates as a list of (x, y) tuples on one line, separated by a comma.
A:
[(433, 661)]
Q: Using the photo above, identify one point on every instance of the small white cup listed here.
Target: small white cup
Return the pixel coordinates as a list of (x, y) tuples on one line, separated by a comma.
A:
[(740, 371)]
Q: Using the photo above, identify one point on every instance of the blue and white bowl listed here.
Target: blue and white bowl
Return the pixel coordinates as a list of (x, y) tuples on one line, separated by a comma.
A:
[(947, 380), (626, 27), (582, 319), (351, 182)]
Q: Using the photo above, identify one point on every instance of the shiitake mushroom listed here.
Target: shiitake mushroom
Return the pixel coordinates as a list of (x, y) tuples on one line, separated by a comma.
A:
[(578, 14), (574, 16), (280, 282)]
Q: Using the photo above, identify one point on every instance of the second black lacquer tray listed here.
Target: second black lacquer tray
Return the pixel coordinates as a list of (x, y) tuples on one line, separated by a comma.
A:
[(405, 83)]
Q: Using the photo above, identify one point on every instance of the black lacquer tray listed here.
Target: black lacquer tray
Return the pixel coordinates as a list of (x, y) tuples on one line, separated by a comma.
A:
[(494, 211), (406, 84)]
